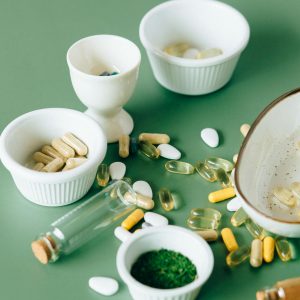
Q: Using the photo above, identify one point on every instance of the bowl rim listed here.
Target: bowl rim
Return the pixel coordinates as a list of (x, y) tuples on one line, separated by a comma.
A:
[(97, 77), (43, 177), (168, 229), (257, 121), (193, 62)]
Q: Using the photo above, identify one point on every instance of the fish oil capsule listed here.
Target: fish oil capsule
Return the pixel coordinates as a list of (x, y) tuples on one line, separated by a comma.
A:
[(64, 149), (295, 188), (38, 167), (166, 199), (256, 255), (71, 140), (42, 158), (268, 249), (285, 196), (154, 138), (221, 195), (202, 223), (283, 249), (74, 162), (122, 234), (124, 142), (50, 151), (209, 53), (133, 219), (235, 158), (53, 166), (245, 129), (238, 256), (255, 230), (219, 163), (179, 167), (209, 235), (229, 239), (223, 178), (140, 200), (207, 213), (103, 175), (205, 172), (149, 150), (134, 146), (239, 217)]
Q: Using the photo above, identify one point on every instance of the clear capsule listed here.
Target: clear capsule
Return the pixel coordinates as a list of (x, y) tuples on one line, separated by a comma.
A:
[(294, 246), (295, 188), (223, 178), (149, 150), (206, 172), (239, 217), (238, 256), (202, 223), (283, 249), (166, 199), (179, 167), (219, 163), (256, 256), (285, 196), (255, 230), (207, 213), (103, 175)]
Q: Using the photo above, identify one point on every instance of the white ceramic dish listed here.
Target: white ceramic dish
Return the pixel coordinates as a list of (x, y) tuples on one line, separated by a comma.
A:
[(204, 24), (29, 132), (172, 238), (269, 158)]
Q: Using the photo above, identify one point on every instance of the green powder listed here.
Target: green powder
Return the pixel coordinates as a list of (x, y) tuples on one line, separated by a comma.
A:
[(164, 269)]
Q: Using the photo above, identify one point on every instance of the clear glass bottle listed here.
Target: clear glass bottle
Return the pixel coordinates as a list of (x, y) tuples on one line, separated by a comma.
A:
[(84, 222)]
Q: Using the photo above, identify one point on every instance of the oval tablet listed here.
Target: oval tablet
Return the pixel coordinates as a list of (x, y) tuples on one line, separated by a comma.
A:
[(210, 137), (143, 187), (168, 151), (104, 285), (155, 219), (234, 204), (117, 170), (122, 234)]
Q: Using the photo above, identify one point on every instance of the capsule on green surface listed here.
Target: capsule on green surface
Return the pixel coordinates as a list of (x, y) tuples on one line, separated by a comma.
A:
[(238, 256), (223, 178), (206, 172), (283, 249), (202, 223), (217, 163), (294, 246), (179, 167), (207, 213), (102, 175), (255, 230), (239, 217), (166, 199), (149, 150)]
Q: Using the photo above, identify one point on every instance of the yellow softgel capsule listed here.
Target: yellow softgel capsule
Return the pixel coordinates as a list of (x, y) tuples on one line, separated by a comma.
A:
[(124, 142), (256, 256), (64, 149), (202, 223), (221, 195), (285, 196), (268, 249), (255, 230), (42, 158), (205, 172), (219, 163), (238, 256), (133, 219), (229, 239), (154, 138), (149, 150), (50, 151), (223, 178), (74, 142), (207, 213), (102, 175), (53, 166), (239, 217), (179, 167), (283, 249), (166, 199)]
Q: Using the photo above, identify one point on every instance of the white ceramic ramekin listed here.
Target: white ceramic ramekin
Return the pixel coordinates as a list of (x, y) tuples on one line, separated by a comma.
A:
[(172, 238), (203, 24), (29, 132)]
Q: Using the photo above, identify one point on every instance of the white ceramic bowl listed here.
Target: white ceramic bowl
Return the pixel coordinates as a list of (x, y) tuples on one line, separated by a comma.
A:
[(203, 24), (29, 132), (270, 158), (168, 237)]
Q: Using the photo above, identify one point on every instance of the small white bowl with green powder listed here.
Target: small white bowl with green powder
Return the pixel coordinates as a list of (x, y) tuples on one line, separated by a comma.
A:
[(165, 263)]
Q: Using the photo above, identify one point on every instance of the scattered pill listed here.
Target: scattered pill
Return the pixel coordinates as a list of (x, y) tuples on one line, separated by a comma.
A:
[(71, 140), (209, 235), (221, 195), (210, 137), (103, 175), (239, 217), (206, 172), (238, 256), (41, 157), (235, 158), (244, 129), (140, 200), (168, 151), (124, 142), (149, 150), (191, 53), (74, 162), (104, 285), (134, 146), (223, 178), (155, 219), (283, 249), (154, 138), (38, 167), (234, 204), (207, 213), (229, 239), (143, 187), (122, 234), (212, 52), (117, 170), (133, 219), (219, 163), (50, 151), (146, 225), (179, 167), (53, 166), (166, 199), (255, 230), (256, 256), (268, 249), (64, 149), (202, 223)]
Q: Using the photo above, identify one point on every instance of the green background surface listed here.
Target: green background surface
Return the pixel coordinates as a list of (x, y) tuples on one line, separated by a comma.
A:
[(35, 36)]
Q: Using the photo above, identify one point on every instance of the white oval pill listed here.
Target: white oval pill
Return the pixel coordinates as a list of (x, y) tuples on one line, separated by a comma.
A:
[(191, 53), (168, 151), (143, 187), (117, 170), (155, 219), (104, 285), (122, 234), (234, 204), (146, 225), (210, 137)]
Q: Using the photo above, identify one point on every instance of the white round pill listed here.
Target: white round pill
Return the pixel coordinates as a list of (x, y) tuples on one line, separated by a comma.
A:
[(146, 225), (122, 234), (104, 285), (234, 204), (210, 137), (143, 187), (155, 219), (191, 53), (168, 151), (117, 170)]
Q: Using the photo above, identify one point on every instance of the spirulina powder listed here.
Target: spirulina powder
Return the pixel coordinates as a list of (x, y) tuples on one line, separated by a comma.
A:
[(164, 269)]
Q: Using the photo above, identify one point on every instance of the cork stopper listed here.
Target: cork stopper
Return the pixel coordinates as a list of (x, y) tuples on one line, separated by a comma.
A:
[(41, 251)]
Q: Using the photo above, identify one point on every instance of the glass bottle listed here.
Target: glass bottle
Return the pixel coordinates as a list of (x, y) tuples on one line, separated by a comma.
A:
[(84, 222)]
